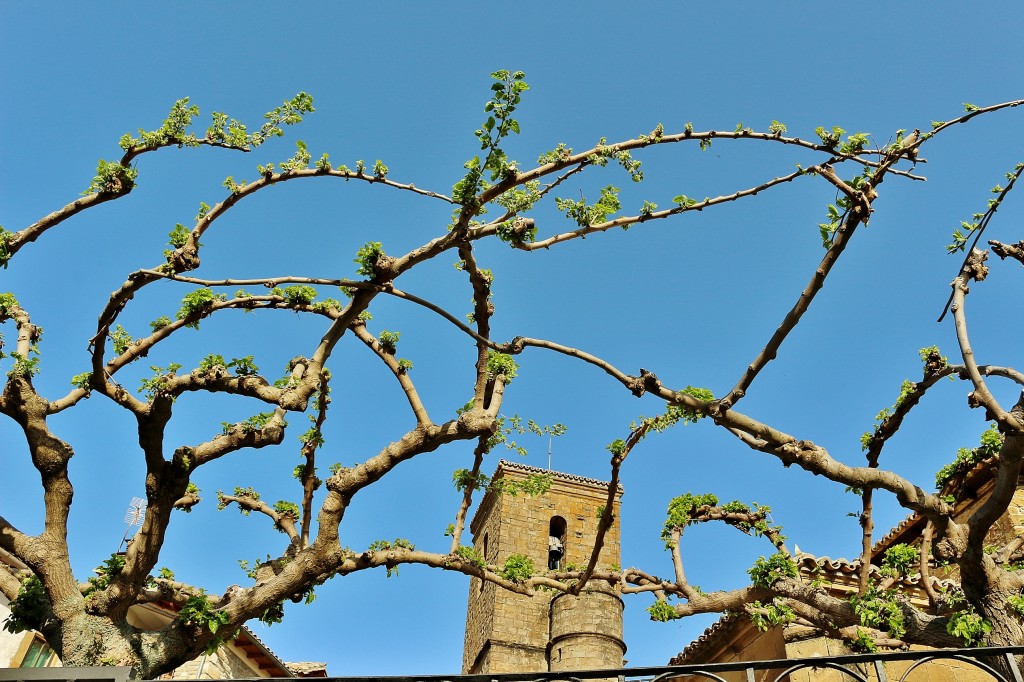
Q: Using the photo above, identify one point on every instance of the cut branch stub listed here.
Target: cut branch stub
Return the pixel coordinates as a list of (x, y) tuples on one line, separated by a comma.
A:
[(384, 268), (184, 259), (975, 267), (1015, 251)]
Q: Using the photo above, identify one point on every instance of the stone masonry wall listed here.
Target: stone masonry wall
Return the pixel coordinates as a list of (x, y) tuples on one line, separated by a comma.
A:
[(586, 631), (508, 632), (480, 608)]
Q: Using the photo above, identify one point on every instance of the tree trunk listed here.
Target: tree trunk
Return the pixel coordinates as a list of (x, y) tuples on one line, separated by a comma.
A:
[(1007, 628), (96, 641)]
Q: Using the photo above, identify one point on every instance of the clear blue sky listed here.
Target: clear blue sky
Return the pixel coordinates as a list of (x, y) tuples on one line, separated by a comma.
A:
[(691, 299)]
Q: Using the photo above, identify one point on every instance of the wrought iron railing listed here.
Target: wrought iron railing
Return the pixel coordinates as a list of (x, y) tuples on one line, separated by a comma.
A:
[(996, 663)]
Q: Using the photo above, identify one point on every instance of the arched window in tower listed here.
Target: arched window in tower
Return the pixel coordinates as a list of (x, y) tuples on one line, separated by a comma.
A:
[(556, 543)]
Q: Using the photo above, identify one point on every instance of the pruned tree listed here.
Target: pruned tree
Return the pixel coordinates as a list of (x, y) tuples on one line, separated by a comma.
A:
[(87, 623)]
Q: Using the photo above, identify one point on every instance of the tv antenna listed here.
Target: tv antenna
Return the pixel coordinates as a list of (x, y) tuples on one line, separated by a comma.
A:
[(549, 452), (135, 515)]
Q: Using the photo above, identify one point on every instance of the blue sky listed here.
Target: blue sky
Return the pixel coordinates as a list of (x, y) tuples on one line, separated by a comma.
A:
[(691, 299)]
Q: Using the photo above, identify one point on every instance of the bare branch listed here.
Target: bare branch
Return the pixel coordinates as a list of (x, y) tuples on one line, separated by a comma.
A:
[(310, 443), (467, 494), (187, 501), (892, 423), (815, 459), (605, 150), (677, 564), (867, 524), (12, 540), (925, 564), (1011, 455), (34, 231), (424, 438), (10, 583), (482, 310), (1001, 250), (400, 372), (1014, 251), (803, 302), (282, 521), (237, 437), (31, 233), (981, 394), (977, 111), (619, 455), (627, 221)]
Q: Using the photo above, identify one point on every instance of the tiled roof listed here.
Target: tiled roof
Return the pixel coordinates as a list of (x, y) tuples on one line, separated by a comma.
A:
[(826, 566), (902, 527), (516, 466), (717, 629), (257, 649), (506, 465)]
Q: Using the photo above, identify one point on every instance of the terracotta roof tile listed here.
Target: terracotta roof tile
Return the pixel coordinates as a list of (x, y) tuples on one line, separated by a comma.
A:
[(808, 563), (717, 629), (516, 466)]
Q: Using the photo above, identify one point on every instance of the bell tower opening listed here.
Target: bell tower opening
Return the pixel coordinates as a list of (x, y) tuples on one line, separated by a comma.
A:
[(556, 544)]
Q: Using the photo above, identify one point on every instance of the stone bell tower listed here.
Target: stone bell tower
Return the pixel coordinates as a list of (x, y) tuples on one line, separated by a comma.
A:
[(508, 632)]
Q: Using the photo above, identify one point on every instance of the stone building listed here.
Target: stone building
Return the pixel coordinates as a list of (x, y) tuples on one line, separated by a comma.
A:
[(508, 632), (244, 656)]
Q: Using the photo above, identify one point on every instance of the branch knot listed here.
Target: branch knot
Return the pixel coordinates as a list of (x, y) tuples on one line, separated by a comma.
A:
[(974, 267)]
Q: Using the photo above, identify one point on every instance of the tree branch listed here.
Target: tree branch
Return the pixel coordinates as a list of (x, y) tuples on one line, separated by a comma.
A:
[(925, 564), (976, 270), (482, 310), (400, 372), (607, 518), (310, 443), (467, 494), (1010, 456), (10, 584), (627, 221), (803, 302), (283, 522), (978, 229), (977, 111), (237, 437)]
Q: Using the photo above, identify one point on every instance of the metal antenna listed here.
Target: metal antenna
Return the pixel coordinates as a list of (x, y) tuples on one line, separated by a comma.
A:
[(549, 453), (133, 517)]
